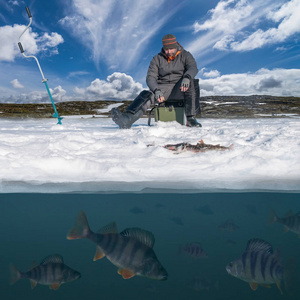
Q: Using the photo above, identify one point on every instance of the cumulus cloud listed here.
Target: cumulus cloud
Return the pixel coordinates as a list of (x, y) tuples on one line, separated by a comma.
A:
[(244, 25), (117, 86), (277, 82), (16, 84), (50, 42), (116, 32), (31, 41), (58, 94), (209, 74)]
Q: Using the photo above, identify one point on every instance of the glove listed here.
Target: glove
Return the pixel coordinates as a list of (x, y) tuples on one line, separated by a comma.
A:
[(185, 82), (158, 94)]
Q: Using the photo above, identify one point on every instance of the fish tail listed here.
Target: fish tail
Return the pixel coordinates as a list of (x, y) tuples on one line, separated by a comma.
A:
[(81, 228), (273, 217), (15, 274)]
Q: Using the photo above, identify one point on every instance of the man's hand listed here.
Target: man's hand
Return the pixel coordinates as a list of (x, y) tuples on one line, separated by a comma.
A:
[(185, 84), (159, 96)]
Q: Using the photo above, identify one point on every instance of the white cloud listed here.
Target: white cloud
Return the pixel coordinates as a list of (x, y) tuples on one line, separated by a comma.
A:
[(277, 82), (58, 94), (209, 74), (77, 73), (118, 86), (116, 32), (226, 17), (243, 25), (287, 15), (32, 43), (47, 42), (16, 84), (14, 2)]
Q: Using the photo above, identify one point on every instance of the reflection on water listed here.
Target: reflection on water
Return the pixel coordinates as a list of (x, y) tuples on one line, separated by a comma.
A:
[(34, 226)]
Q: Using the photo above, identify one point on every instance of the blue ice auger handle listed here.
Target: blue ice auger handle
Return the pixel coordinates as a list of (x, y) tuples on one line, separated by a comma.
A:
[(28, 12)]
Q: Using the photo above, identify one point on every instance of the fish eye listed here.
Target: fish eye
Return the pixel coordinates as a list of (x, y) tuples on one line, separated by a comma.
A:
[(230, 264)]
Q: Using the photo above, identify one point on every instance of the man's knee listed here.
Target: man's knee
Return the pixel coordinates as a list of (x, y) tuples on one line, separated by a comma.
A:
[(142, 102)]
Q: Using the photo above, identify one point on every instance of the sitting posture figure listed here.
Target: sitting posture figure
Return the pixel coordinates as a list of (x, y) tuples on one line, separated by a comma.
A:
[(170, 76)]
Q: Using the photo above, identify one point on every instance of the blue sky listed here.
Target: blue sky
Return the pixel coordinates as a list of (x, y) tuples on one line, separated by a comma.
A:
[(98, 50)]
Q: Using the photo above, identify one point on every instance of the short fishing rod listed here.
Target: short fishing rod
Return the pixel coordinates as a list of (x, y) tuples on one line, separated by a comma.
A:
[(55, 115)]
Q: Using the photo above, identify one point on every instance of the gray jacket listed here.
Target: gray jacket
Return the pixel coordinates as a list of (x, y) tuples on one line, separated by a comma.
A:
[(163, 72)]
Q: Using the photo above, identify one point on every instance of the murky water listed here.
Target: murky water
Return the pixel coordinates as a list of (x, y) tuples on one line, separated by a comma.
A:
[(35, 225)]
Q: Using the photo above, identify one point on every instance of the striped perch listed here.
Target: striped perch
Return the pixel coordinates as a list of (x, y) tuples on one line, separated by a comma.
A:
[(258, 265), (193, 250), (291, 222), (51, 271), (131, 250)]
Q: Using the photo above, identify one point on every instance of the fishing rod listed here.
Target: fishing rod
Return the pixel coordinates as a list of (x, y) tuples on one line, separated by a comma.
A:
[(55, 115)]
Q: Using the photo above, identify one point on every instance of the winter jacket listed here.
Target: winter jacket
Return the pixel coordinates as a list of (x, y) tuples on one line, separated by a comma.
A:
[(163, 72)]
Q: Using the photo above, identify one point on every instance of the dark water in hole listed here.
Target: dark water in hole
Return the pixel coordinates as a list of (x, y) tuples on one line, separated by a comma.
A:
[(35, 225)]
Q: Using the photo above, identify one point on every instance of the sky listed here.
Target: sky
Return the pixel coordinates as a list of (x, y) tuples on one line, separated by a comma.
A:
[(91, 154), (101, 50)]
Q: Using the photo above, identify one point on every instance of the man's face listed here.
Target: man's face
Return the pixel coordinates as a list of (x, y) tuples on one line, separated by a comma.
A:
[(170, 52)]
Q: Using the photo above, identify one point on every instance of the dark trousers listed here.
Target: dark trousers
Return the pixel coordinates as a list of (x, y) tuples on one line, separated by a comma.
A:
[(191, 97)]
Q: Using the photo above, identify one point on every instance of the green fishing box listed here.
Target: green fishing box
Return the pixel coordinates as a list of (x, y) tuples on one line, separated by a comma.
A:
[(171, 111)]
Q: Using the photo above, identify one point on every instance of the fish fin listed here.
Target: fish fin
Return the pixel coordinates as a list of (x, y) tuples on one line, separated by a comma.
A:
[(54, 286), (15, 274), (33, 283), (278, 285), (109, 228), (99, 254), (259, 245), (266, 285), (144, 236), (80, 229), (289, 214), (285, 228), (126, 274), (253, 285), (55, 258), (272, 217), (230, 147), (201, 142), (34, 264)]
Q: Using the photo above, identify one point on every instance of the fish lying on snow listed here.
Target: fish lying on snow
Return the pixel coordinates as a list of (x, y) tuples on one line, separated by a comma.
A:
[(131, 250), (258, 265), (51, 271), (199, 147)]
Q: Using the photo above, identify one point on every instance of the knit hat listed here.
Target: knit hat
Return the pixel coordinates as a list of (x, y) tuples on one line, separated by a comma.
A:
[(169, 41)]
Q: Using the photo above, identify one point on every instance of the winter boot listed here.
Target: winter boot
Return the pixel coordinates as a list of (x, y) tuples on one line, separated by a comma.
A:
[(125, 119), (134, 111), (192, 122)]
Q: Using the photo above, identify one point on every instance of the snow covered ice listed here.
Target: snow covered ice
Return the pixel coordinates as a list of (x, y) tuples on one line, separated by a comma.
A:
[(91, 154)]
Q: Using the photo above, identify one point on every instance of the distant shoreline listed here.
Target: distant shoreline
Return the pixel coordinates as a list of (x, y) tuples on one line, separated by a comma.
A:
[(255, 106)]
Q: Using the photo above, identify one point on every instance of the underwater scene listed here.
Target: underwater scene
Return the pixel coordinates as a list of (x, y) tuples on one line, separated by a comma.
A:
[(232, 245)]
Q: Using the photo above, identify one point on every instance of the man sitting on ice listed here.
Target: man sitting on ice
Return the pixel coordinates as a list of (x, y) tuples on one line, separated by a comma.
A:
[(170, 76)]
